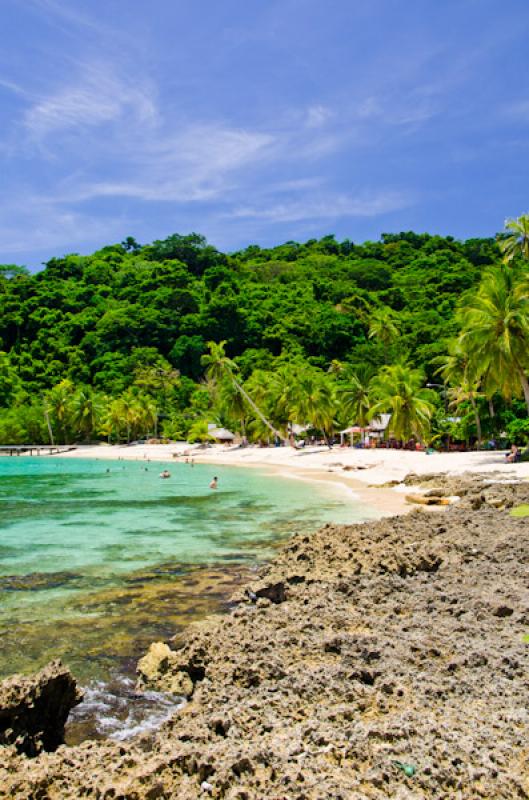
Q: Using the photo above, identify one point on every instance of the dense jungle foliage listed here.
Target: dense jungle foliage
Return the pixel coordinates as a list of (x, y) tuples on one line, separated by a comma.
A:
[(115, 344)]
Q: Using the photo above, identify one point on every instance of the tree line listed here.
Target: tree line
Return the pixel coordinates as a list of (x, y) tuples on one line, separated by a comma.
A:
[(160, 339)]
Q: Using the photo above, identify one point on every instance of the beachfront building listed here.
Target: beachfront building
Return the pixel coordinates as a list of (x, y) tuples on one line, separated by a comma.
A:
[(221, 435), (371, 434)]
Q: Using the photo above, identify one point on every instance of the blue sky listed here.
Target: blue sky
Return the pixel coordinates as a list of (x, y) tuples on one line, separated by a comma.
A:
[(259, 120)]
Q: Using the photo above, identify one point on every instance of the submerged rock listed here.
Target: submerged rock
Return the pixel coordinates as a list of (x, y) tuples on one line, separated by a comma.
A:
[(34, 709), (427, 499)]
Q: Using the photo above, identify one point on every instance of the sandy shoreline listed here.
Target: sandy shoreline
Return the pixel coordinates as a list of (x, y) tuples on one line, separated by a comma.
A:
[(358, 471)]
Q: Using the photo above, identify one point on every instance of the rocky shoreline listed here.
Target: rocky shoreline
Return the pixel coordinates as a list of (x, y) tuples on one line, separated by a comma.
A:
[(385, 659)]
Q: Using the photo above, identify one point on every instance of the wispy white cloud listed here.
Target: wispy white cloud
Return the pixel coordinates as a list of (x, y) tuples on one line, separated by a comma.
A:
[(297, 184), (317, 116), (196, 164), (399, 111), (67, 14), (331, 206), (97, 96), (14, 87), (112, 137)]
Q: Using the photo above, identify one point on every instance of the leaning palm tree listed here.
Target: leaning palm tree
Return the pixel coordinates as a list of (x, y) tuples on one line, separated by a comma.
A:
[(258, 432), (515, 242), (495, 330), (218, 366), (398, 389), (231, 403)]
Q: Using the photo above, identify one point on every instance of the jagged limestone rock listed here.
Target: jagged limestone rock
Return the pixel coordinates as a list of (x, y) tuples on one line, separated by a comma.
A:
[(160, 669), (34, 709)]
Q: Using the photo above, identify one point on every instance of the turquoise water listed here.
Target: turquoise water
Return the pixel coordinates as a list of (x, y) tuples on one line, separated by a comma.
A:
[(97, 558)]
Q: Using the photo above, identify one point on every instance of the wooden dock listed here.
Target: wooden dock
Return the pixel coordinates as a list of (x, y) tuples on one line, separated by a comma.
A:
[(34, 449)]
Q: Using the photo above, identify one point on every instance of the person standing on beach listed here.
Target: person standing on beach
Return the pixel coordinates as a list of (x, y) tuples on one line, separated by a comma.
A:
[(214, 483)]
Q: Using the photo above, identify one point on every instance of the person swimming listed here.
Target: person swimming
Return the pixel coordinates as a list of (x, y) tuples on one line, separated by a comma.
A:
[(165, 474), (214, 483)]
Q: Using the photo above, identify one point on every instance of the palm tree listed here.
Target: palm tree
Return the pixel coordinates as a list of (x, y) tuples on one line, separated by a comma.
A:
[(111, 424), (458, 370), (198, 432), (231, 402), (355, 397), (398, 389), (258, 431), (218, 366), (147, 414), (466, 392), (87, 409), (496, 330), (316, 402), (516, 241), (127, 412), (283, 390), (58, 402)]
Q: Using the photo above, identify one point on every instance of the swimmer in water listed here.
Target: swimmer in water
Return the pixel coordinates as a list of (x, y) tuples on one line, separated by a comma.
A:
[(214, 483), (165, 474)]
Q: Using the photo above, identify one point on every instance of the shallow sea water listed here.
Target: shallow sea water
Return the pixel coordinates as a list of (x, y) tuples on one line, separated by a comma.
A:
[(100, 558)]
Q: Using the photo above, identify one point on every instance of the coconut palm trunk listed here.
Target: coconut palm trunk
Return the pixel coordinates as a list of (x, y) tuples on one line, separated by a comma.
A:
[(256, 409), (218, 365), (525, 387), (477, 419), (48, 423)]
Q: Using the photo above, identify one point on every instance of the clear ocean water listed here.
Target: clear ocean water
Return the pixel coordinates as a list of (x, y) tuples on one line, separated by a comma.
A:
[(99, 558)]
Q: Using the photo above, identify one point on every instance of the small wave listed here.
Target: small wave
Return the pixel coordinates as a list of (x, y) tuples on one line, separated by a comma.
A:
[(117, 711)]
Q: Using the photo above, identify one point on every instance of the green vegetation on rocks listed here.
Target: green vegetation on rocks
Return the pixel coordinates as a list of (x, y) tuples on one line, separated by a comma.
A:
[(520, 511)]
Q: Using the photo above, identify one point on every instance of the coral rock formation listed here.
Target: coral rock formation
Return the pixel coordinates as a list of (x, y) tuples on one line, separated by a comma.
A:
[(34, 710), (391, 663)]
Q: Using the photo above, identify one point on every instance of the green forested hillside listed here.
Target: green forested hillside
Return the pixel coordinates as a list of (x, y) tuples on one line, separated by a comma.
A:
[(130, 324)]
